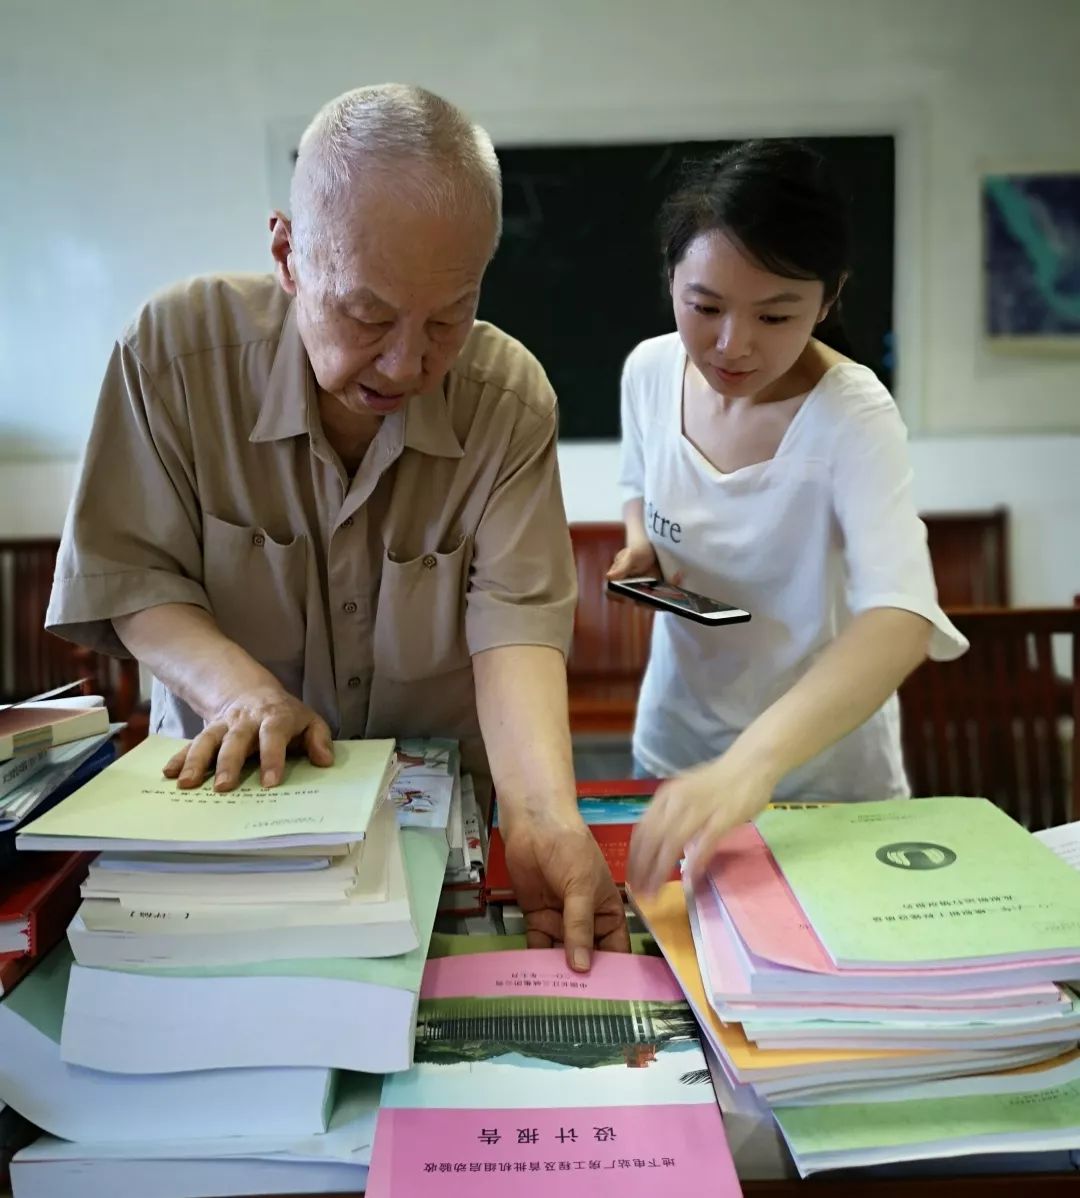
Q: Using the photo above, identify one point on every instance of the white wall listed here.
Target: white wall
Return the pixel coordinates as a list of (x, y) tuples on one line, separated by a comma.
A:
[(140, 142)]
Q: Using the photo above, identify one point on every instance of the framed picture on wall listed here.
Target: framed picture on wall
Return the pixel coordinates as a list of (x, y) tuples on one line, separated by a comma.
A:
[(1031, 260)]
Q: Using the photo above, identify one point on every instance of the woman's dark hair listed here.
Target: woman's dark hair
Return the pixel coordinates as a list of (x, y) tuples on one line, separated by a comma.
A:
[(776, 200)]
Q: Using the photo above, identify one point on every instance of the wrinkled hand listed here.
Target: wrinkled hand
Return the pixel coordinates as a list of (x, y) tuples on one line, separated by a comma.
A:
[(691, 813), (635, 561), (564, 887), (267, 720)]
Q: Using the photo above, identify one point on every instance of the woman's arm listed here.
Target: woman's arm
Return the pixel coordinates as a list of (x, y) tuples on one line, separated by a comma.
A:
[(639, 557), (851, 679)]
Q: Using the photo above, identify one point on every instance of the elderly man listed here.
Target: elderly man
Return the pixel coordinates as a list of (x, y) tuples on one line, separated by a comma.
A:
[(326, 502)]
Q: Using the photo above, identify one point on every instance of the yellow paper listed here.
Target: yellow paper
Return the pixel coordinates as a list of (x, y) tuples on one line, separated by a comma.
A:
[(667, 919), (131, 801)]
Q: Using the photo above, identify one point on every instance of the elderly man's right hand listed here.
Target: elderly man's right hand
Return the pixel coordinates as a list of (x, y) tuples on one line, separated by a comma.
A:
[(266, 720)]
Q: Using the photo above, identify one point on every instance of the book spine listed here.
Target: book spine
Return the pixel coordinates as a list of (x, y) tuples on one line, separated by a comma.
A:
[(17, 770)]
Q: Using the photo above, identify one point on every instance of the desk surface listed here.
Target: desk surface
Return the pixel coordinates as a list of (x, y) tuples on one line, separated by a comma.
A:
[(1038, 1185)]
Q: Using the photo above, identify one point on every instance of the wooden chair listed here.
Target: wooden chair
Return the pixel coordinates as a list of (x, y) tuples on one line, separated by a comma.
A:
[(33, 660), (611, 639), (970, 555), (1000, 722)]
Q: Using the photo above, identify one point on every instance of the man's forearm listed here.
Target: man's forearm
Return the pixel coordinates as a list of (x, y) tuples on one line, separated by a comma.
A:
[(182, 646), (522, 705)]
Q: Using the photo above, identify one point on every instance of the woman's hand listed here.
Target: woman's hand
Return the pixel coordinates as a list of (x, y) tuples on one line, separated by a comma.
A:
[(691, 813), (635, 561)]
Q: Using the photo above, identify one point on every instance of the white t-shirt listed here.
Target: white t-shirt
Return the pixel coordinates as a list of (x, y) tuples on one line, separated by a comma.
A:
[(822, 531)]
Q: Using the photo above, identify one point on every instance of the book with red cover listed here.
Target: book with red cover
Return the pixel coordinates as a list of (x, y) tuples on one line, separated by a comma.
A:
[(609, 807), (38, 897)]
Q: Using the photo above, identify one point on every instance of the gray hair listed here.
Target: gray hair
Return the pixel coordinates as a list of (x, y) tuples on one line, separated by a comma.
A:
[(371, 131)]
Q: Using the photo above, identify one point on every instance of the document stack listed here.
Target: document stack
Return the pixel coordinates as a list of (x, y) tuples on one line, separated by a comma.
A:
[(46, 751), (232, 953), (890, 979)]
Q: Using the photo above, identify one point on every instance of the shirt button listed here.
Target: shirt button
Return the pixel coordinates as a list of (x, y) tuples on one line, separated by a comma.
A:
[(347, 522), (258, 540), (354, 682), (429, 561), (350, 607)]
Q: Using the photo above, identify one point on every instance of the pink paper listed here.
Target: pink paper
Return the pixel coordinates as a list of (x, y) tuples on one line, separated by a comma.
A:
[(634, 1152), (773, 925), (763, 906), (544, 971)]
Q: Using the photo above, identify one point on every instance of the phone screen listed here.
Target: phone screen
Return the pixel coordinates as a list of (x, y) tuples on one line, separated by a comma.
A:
[(676, 597)]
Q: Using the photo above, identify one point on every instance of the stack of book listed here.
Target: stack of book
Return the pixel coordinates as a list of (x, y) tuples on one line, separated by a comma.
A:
[(46, 751), (889, 978), (47, 747), (232, 953)]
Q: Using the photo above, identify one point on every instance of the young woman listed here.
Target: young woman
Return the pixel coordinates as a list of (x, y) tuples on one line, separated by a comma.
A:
[(766, 470)]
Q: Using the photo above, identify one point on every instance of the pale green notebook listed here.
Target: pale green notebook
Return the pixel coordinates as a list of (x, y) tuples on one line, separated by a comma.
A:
[(130, 806), (925, 882)]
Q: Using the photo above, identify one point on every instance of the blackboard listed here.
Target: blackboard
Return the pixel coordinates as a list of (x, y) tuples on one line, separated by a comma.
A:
[(577, 276)]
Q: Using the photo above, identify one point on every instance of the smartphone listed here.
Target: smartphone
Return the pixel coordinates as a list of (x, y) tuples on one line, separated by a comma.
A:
[(668, 597)]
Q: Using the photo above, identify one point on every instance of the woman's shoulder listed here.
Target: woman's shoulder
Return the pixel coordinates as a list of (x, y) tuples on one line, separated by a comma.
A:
[(654, 359), (848, 393)]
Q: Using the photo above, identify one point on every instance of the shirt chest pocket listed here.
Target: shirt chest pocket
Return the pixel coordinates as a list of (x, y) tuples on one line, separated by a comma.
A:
[(257, 589), (420, 616)]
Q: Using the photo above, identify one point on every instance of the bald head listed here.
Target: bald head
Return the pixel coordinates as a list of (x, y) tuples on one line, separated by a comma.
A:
[(396, 138)]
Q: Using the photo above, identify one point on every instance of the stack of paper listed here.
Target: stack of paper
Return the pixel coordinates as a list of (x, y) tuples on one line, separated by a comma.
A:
[(211, 1166), (231, 953), (39, 892), (311, 868), (340, 1012), (860, 952), (44, 748)]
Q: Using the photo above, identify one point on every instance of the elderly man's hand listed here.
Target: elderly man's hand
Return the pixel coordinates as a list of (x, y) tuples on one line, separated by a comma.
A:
[(563, 886), (265, 720)]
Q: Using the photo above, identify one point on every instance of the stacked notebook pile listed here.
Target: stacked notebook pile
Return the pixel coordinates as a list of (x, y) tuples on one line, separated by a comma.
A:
[(47, 749), (232, 953), (890, 978), (48, 746)]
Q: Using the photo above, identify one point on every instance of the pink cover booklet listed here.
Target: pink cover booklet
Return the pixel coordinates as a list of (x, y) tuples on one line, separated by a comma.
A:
[(530, 1079)]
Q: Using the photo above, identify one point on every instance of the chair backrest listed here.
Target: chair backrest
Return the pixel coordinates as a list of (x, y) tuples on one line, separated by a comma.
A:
[(30, 661), (970, 554), (1003, 721), (611, 638), (33, 660)]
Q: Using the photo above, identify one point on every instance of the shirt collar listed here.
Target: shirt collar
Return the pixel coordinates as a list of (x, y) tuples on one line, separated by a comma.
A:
[(290, 389), (428, 428)]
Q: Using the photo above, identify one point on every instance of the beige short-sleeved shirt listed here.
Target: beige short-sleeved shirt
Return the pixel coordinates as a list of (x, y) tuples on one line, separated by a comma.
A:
[(208, 480)]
